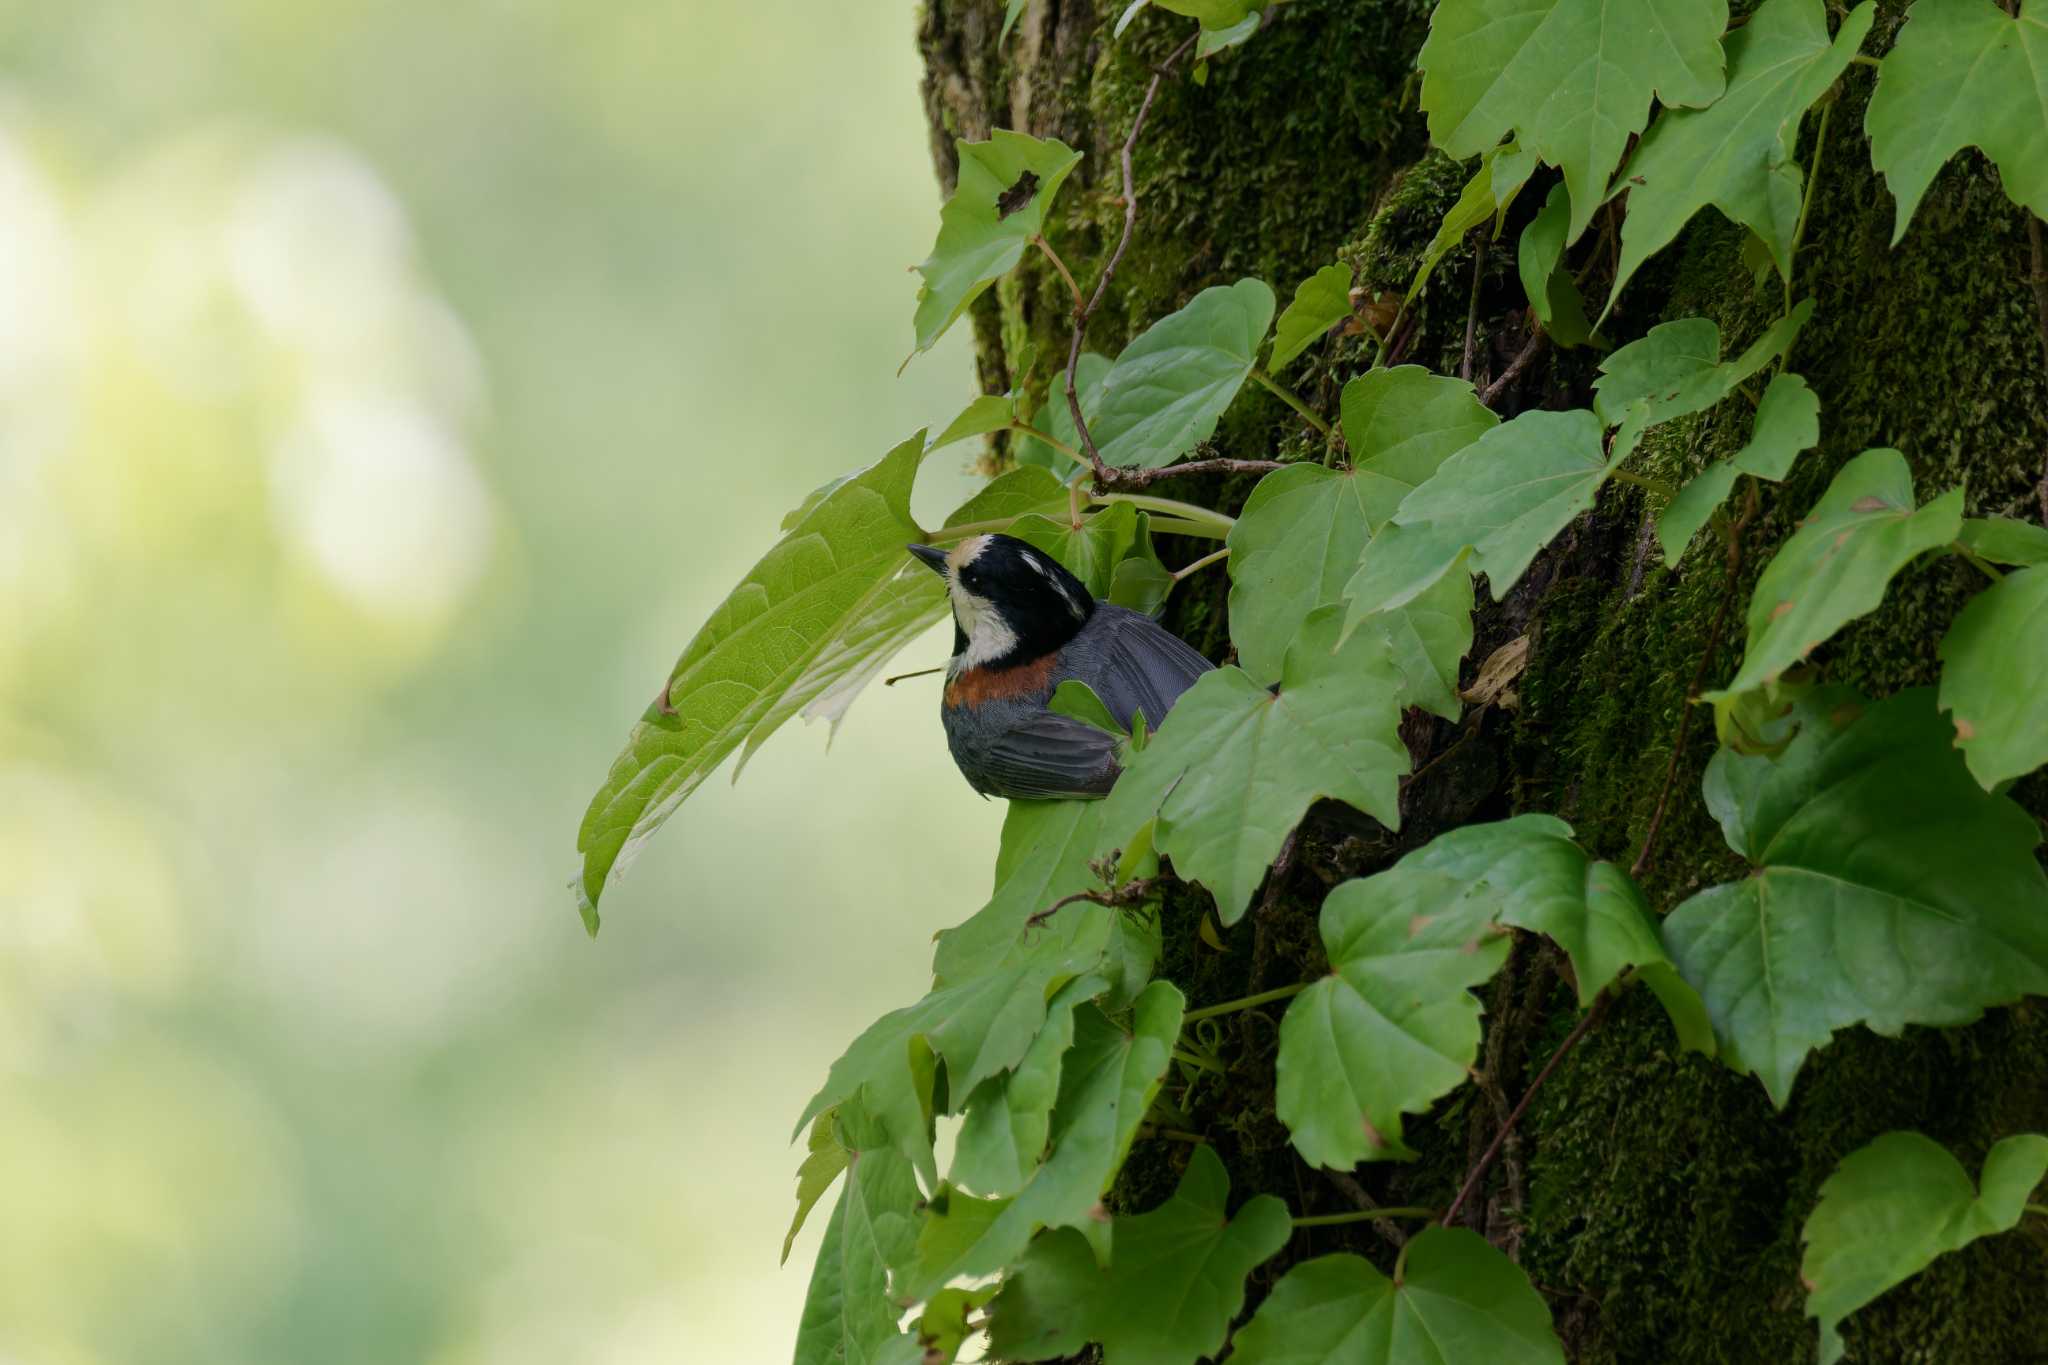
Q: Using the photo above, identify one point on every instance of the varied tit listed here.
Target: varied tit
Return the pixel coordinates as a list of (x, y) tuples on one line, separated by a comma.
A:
[(1022, 625)]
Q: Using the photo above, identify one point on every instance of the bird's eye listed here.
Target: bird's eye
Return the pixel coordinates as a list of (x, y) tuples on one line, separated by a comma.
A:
[(970, 578)]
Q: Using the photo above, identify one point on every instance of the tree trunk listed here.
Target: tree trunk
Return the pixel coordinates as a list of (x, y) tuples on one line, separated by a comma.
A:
[(1655, 1198)]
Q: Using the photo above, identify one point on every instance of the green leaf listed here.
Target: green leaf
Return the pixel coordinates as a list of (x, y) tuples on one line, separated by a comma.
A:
[(1400, 426), (1395, 1026), (823, 1161), (1553, 294), (1963, 74), (1291, 551), (943, 1329), (1890, 889), (1077, 701), (1736, 154), (1787, 422), (1168, 1297), (1836, 566), (1509, 492), (1320, 302), (848, 1315), (1092, 550), (1024, 491), (1009, 1117), (1992, 662), (1458, 1302), (1215, 40), (1107, 1081), (1140, 581), (1573, 78), (1401, 564), (2004, 540), (989, 412), (984, 229), (1166, 391), (1677, 369), (1895, 1205), (1212, 13), (1235, 767), (1011, 13), (1428, 638), (779, 642), (1535, 877)]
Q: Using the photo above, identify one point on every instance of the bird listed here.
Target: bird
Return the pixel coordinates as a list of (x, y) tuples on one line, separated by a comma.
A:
[(1022, 625)]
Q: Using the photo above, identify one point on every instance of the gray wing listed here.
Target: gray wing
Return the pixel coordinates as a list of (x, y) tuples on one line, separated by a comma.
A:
[(1133, 663), (1048, 757)]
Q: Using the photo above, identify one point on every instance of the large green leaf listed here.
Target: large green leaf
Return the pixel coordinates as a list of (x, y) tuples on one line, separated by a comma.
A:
[(1056, 419), (1787, 422), (1458, 1302), (1428, 637), (1509, 492), (1168, 1295), (1993, 660), (1395, 1027), (1235, 767), (1166, 391), (1736, 154), (1893, 1206), (1836, 566), (1299, 538), (849, 1318), (1005, 186), (1677, 369), (1572, 77), (1107, 1081), (1963, 73), (987, 413), (1320, 302), (1889, 888), (757, 660)]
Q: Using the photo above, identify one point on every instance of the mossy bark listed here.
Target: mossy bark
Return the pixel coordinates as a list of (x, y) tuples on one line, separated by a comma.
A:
[(1655, 1198)]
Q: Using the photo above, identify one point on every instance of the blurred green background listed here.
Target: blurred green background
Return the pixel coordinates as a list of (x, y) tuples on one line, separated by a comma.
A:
[(387, 391)]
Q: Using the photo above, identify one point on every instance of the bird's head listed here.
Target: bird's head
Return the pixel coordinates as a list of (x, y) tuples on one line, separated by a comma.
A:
[(1012, 603)]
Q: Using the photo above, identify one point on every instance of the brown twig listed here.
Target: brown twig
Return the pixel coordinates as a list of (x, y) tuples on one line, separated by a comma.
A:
[(2040, 263), (1133, 892), (1472, 308), (1521, 362), (1486, 1160), (1692, 689), (1131, 480), (1105, 477)]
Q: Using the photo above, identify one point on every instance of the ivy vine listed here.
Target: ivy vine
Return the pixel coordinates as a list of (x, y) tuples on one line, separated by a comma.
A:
[(1891, 882)]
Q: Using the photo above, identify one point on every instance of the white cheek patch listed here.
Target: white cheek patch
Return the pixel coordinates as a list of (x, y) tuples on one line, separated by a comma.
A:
[(988, 637)]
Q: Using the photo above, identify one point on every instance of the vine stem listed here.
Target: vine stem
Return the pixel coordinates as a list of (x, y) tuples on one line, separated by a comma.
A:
[(2038, 1210), (1105, 477), (1983, 565), (1521, 362), (1292, 400), (1334, 1220), (1204, 562), (1038, 240), (1472, 308), (1055, 442), (1492, 1152), (1820, 147), (1186, 511), (1244, 1003), (2039, 259)]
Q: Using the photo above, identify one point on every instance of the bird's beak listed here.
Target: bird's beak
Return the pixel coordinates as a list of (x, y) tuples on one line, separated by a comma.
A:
[(932, 558)]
